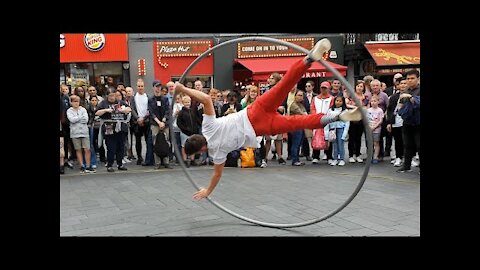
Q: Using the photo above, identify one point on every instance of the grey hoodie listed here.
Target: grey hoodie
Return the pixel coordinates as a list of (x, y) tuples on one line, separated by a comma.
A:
[(78, 122)]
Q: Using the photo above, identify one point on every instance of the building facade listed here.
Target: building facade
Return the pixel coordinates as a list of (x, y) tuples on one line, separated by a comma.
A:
[(94, 59)]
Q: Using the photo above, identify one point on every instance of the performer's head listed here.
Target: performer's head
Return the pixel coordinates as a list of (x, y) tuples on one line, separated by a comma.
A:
[(195, 144)]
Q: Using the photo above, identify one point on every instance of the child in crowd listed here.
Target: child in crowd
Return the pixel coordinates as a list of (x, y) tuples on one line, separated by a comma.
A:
[(375, 118), (340, 130), (78, 118)]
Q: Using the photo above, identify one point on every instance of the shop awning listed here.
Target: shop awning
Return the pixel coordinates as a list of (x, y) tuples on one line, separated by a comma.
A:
[(261, 68), (394, 54)]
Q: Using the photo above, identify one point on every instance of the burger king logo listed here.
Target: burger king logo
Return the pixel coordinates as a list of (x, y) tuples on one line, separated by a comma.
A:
[(94, 42)]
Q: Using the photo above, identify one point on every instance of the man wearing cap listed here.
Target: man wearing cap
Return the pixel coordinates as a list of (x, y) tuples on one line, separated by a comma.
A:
[(159, 107)]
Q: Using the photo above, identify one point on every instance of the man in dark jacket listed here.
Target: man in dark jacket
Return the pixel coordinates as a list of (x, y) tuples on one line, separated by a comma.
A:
[(411, 119), (159, 107)]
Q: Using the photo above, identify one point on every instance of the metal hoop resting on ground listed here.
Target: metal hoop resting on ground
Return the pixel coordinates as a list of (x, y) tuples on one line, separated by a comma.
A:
[(338, 76)]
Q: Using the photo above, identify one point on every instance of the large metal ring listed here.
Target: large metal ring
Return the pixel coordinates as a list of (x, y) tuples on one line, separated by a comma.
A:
[(368, 134)]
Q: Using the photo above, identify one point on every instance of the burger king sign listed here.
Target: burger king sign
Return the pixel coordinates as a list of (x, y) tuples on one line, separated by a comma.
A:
[(94, 42)]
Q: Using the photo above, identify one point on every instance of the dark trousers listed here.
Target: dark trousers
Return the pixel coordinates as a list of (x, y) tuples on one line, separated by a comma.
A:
[(115, 146), (397, 136), (146, 132), (388, 143), (100, 150), (355, 133), (411, 143), (328, 152), (66, 140)]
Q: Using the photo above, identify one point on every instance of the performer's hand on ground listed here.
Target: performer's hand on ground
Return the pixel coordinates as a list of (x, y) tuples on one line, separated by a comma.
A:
[(351, 115), (202, 193)]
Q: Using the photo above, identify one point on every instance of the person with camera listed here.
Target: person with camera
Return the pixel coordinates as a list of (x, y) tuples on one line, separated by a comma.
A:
[(232, 106), (113, 126)]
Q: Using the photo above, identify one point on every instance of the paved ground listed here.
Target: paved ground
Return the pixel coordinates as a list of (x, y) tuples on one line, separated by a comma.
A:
[(147, 202)]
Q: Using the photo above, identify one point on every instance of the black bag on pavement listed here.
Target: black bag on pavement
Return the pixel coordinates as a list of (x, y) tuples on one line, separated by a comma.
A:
[(161, 147), (232, 159)]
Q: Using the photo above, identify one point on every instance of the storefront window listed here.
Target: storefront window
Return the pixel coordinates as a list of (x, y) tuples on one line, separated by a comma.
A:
[(62, 74), (105, 70), (79, 74)]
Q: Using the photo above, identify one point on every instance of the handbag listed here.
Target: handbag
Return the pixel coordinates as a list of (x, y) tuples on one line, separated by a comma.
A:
[(332, 135), (318, 141)]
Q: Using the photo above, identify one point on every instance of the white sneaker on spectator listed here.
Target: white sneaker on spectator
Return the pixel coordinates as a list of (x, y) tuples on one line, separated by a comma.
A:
[(393, 161), (359, 159), (414, 163), (351, 160), (341, 163), (324, 157), (332, 162), (314, 161), (264, 164), (398, 162)]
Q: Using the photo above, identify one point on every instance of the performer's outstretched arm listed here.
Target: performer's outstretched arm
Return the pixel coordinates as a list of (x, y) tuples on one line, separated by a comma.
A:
[(201, 97), (217, 174)]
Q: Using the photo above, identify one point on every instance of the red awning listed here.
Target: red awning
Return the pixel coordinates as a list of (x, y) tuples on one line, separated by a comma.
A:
[(394, 54), (261, 68)]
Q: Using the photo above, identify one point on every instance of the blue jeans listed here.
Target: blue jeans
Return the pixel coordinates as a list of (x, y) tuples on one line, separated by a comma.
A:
[(93, 155), (339, 146), (297, 139)]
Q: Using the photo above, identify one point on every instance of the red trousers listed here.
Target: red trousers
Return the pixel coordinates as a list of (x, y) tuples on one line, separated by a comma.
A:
[(263, 112)]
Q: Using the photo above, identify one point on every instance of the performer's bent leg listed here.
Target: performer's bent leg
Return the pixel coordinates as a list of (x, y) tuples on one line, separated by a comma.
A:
[(274, 97)]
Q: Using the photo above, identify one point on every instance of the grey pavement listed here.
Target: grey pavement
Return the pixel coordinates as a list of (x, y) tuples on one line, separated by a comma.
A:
[(147, 202)]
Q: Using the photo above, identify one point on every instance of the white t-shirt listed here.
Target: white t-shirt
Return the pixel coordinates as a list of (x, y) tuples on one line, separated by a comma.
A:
[(227, 133), (142, 104)]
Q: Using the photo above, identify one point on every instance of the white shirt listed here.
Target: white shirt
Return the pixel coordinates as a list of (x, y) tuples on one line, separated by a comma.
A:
[(227, 133), (142, 104)]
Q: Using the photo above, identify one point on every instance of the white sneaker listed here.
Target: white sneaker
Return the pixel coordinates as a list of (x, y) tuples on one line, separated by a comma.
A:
[(397, 163), (319, 49), (264, 164), (392, 161), (414, 163), (332, 162), (341, 163), (324, 157), (314, 161), (351, 160), (359, 159)]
